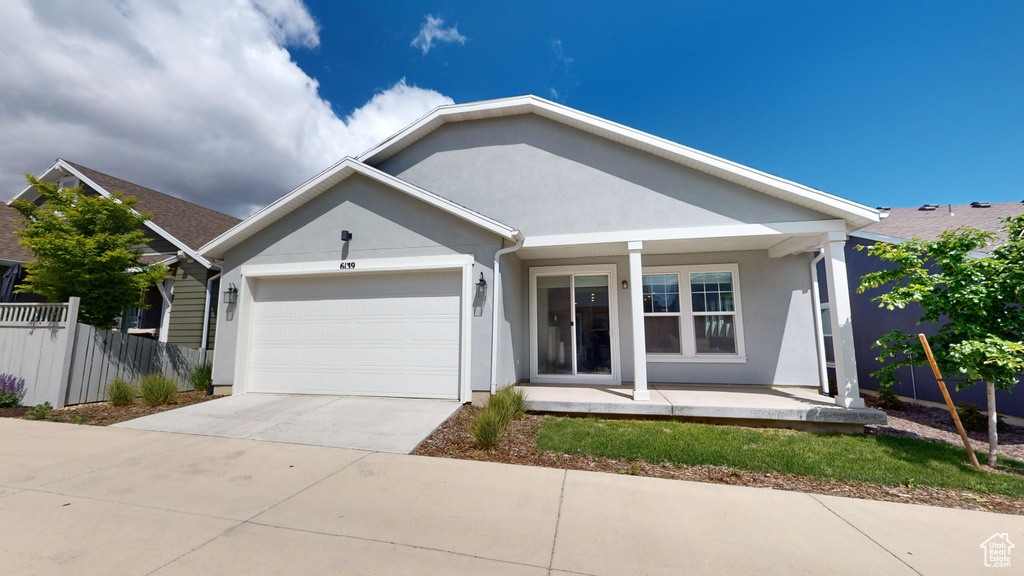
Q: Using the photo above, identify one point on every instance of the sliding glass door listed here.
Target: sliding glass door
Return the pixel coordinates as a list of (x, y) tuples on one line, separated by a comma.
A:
[(572, 325)]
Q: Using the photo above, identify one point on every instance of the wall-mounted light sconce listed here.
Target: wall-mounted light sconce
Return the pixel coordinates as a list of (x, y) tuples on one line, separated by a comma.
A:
[(231, 294), (346, 235), (481, 287), (625, 285)]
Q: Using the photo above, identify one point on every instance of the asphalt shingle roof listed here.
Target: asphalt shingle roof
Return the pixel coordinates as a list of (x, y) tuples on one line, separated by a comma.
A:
[(9, 247), (928, 224), (191, 223)]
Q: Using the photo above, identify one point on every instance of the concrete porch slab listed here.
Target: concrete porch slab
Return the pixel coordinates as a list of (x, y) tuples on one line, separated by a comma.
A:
[(702, 401)]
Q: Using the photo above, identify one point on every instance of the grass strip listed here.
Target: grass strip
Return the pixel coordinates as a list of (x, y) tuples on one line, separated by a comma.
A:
[(886, 460)]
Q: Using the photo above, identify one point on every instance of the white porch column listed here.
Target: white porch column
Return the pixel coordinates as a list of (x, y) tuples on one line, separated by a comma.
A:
[(842, 325), (636, 301)]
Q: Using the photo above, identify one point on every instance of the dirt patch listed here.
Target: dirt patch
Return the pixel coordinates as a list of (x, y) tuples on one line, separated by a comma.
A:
[(17, 412), (103, 414), (519, 446)]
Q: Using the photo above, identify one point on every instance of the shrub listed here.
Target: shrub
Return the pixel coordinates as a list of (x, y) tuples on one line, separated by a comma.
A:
[(12, 390), (509, 404), (889, 400), (121, 392), (487, 429), (39, 412), (201, 377), (158, 389), (975, 420)]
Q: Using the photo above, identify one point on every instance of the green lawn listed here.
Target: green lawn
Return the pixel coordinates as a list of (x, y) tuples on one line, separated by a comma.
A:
[(885, 460)]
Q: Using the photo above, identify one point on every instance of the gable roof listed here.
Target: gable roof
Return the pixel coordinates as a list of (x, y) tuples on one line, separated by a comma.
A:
[(184, 224), (915, 222), (329, 178), (856, 215)]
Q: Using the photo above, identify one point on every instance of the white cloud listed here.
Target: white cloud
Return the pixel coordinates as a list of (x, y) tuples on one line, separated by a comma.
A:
[(432, 31), (198, 98), (560, 57)]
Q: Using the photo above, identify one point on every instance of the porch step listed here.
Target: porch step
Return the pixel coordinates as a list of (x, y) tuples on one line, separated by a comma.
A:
[(712, 402)]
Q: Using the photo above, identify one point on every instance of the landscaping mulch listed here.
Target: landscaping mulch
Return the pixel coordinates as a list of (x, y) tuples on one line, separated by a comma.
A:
[(936, 424), (103, 414), (519, 446)]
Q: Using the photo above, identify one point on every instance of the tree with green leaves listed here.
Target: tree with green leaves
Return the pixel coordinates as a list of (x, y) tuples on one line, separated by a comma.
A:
[(86, 246), (975, 302)]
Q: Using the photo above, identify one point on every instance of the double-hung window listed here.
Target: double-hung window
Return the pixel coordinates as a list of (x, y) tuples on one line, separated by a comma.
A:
[(692, 313)]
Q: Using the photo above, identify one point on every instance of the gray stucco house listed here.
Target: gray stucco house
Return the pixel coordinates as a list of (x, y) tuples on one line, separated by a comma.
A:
[(181, 309), (518, 239)]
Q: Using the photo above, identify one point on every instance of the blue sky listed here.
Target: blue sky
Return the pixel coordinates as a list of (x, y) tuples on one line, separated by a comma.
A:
[(886, 103), (232, 103)]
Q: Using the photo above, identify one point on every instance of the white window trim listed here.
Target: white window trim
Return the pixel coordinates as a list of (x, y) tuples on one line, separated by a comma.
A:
[(824, 306), (615, 378), (687, 342)]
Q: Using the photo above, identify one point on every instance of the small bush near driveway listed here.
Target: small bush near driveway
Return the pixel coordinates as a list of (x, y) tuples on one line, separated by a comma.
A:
[(506, 405), (120, 392), (158, 389), (201, 377)]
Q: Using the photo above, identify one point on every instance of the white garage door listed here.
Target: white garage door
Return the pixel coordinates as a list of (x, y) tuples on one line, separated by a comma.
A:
[(394, 334)]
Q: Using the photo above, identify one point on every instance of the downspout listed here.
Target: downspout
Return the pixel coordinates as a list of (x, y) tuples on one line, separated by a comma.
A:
[(820, 339), (496, 305), (206, 312)]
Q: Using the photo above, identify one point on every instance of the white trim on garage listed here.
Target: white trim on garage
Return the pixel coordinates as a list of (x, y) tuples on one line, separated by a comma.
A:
[(252, 272)]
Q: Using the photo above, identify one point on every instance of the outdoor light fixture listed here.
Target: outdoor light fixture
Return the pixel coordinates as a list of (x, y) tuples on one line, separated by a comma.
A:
[(346, 235), (481, 286), (625, 285), (231, 294)]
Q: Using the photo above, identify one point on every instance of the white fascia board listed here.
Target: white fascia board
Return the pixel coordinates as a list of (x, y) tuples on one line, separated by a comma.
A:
[(29, 188), (363, 266), (896, 240), (691, 233), (857, 214), (106, 194), (329, 178)]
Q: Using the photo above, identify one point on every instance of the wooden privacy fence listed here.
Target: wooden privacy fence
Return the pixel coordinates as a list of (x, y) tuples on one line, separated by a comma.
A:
[(64, 362)]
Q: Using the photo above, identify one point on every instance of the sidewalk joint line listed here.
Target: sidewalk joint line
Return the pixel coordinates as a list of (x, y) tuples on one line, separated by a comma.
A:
[(183, 554), (876, 542), (558, 520), (325, 478)]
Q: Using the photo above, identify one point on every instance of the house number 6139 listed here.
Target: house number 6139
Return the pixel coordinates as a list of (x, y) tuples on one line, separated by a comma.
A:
[(348, 265)]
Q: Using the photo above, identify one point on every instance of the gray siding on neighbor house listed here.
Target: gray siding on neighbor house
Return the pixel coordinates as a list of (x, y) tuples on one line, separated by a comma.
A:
[(186, 319), (157, 244), (871, 323), (385, 223), (543, 177), (777, 314)]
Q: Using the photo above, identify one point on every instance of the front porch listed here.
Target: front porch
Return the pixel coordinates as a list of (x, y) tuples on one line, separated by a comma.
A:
[(786, 406)]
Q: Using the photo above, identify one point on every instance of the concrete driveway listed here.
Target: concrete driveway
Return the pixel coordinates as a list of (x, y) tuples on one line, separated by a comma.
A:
[(376, 424), (106, 501)]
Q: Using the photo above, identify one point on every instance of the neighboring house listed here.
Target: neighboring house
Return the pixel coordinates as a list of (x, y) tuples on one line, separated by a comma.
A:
[(518, 239), (871, 322), (180, 307)]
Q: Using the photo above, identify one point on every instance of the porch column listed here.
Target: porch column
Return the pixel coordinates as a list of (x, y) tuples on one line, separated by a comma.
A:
[(848, 390), (636, 301)]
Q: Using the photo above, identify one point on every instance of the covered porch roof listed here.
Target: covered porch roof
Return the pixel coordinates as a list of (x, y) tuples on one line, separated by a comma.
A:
[(778, 238)]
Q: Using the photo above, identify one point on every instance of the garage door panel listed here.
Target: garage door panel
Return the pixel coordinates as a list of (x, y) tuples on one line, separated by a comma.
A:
[(381, 335)]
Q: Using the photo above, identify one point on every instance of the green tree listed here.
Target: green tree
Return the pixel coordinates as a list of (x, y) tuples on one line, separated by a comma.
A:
[(86, 246), (975, 302)]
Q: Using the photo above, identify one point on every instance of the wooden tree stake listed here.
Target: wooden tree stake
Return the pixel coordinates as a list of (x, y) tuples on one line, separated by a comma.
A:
[(949, 401)]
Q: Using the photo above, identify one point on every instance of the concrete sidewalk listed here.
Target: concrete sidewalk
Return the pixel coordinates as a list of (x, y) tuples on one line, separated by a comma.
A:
[(84, 500)]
